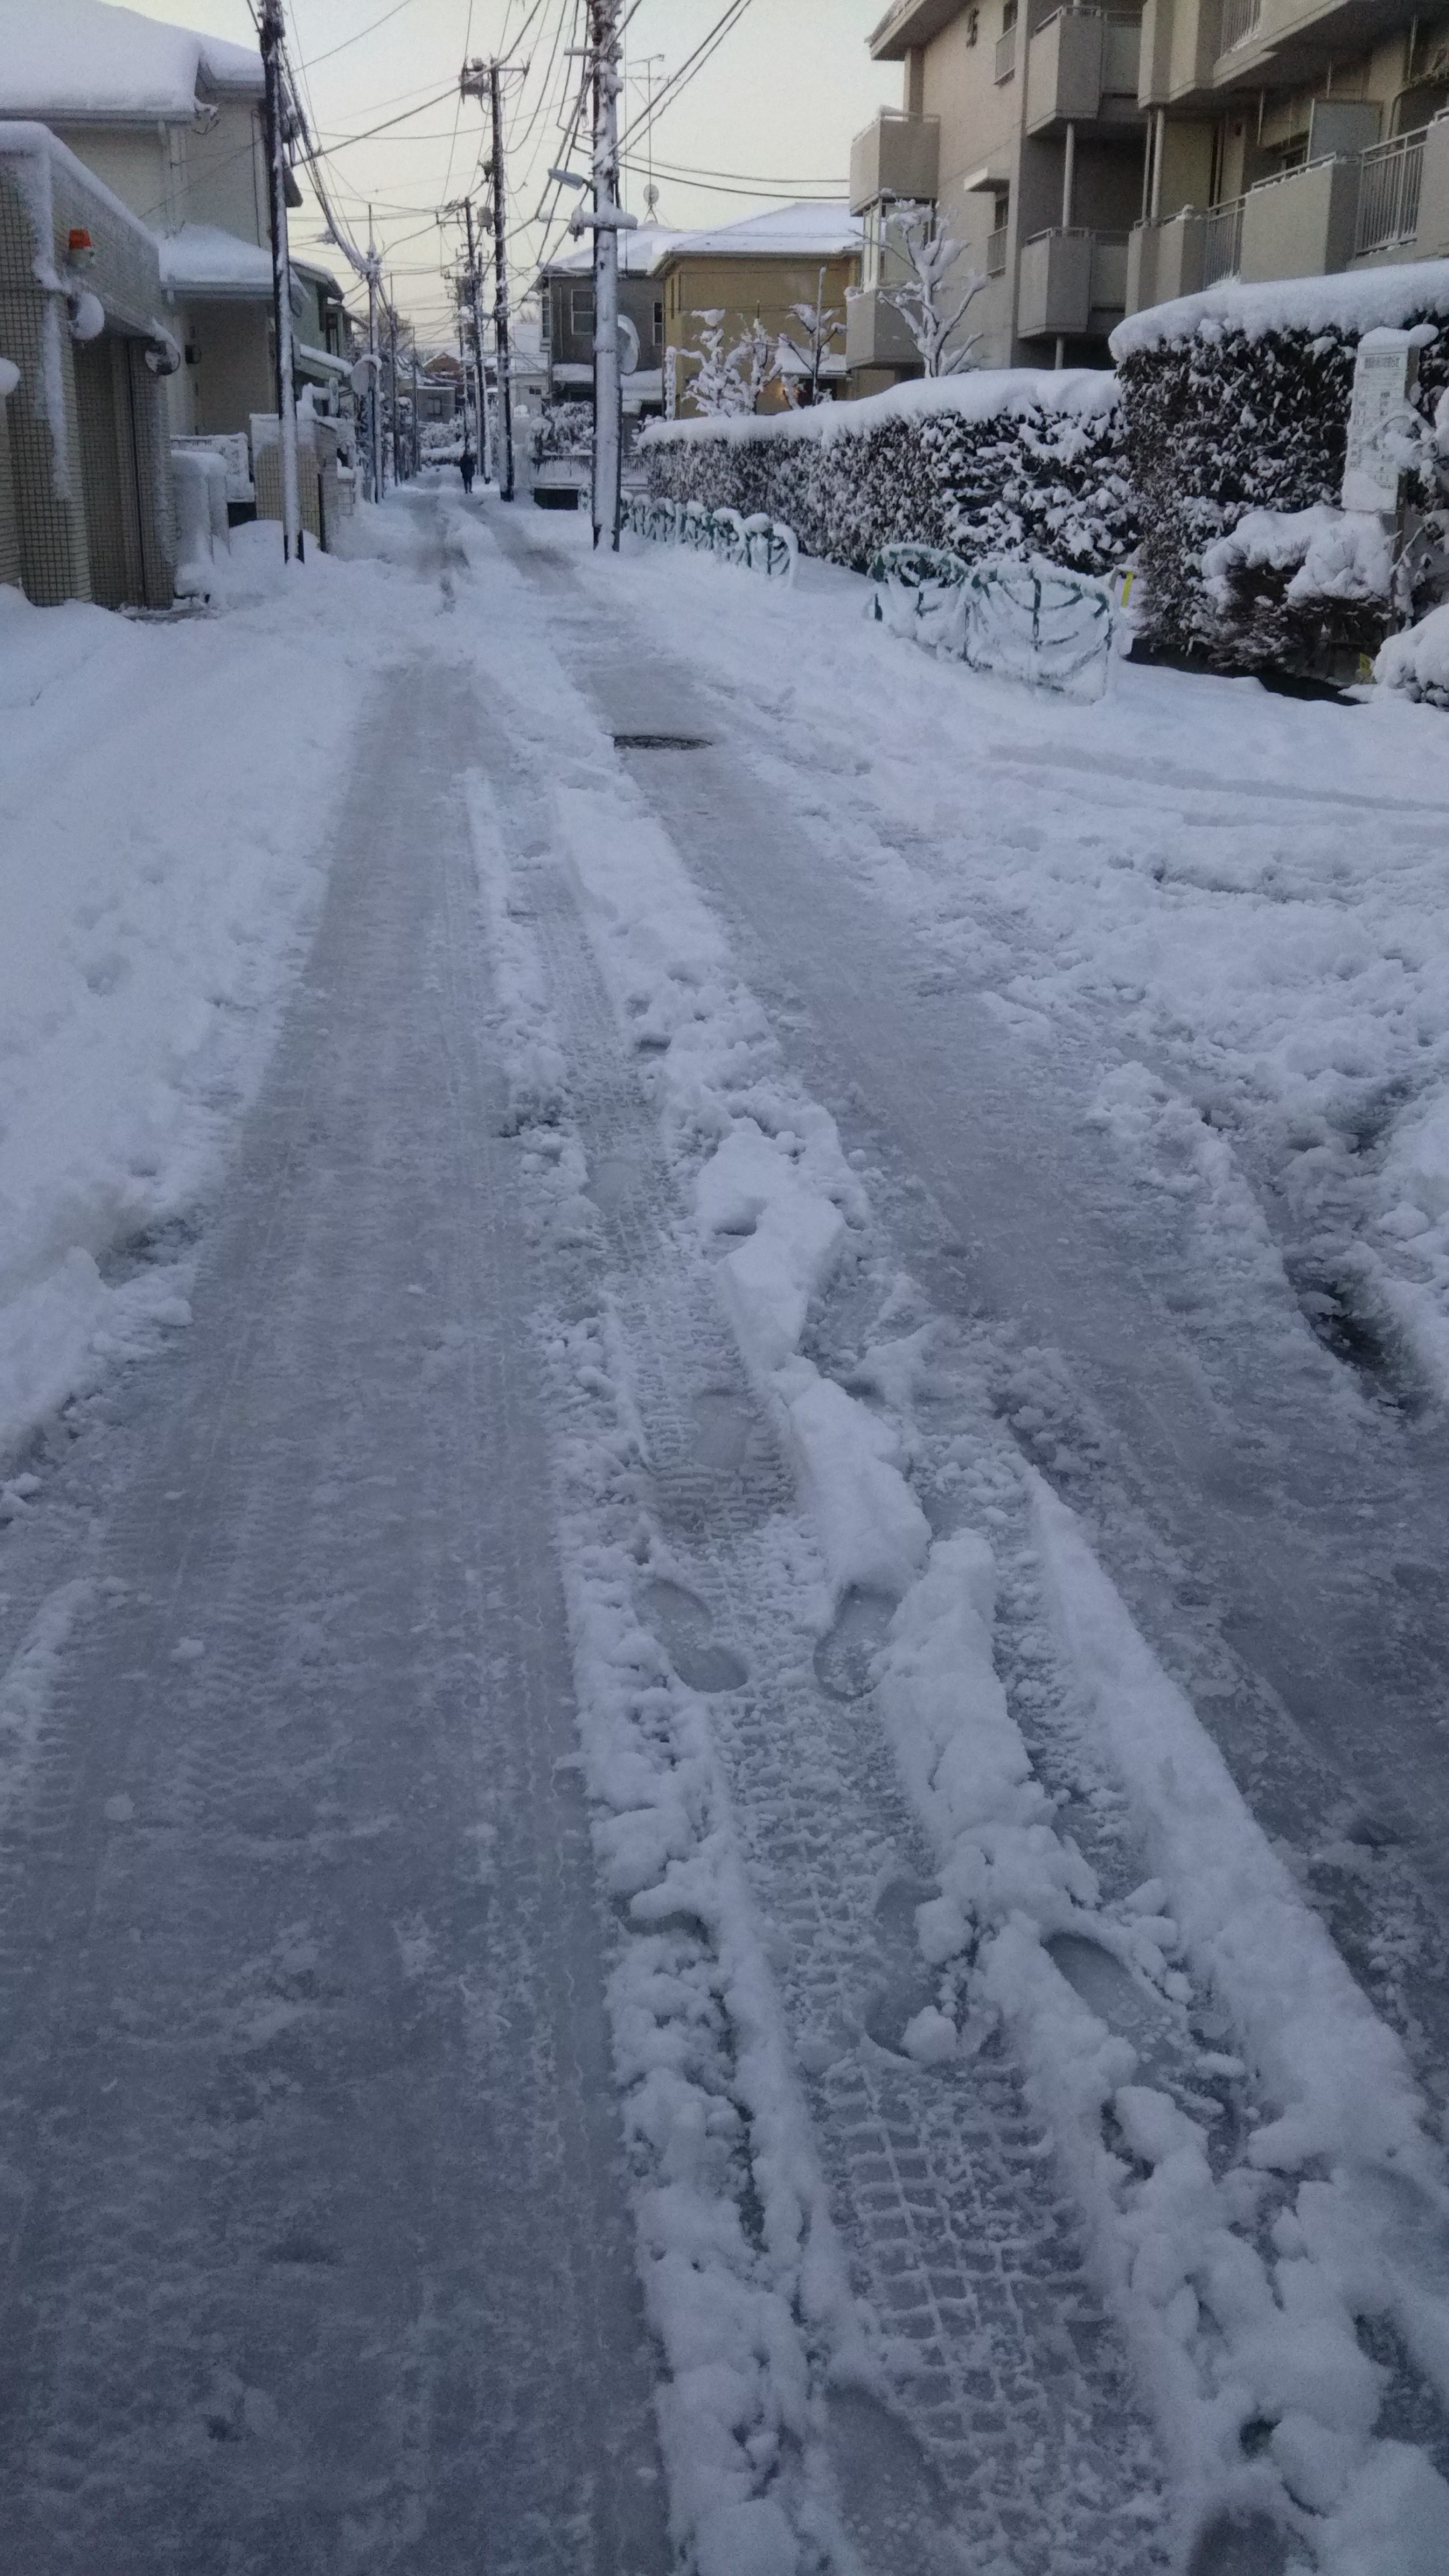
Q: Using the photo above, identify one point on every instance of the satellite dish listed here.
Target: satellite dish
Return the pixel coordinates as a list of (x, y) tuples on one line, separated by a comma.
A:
[(628, 347)]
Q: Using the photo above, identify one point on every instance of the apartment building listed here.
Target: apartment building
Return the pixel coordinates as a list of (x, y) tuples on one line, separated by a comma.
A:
[(1024, 126), (1096, 160), (1289, 141)]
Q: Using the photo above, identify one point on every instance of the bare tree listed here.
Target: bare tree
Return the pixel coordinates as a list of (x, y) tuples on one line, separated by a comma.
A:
[(933, 301), (800, 359)]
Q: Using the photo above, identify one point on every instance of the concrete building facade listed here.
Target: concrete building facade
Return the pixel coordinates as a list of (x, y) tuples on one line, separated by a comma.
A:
[(1094, 161)]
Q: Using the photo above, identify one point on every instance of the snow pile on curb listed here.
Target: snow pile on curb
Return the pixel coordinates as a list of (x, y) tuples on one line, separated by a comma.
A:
[(166, 793)]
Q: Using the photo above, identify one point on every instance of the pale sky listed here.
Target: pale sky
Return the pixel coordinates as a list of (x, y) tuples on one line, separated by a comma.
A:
[(774, 109)]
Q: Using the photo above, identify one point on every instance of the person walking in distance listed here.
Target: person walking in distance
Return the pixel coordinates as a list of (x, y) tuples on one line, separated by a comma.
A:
[(467, 464)]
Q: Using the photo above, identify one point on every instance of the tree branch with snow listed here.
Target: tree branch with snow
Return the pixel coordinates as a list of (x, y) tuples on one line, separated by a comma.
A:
[(933, 302)]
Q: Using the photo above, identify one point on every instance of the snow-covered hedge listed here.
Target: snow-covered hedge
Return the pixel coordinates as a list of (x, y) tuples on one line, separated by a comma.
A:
[(1014, 463), (1236, 409)]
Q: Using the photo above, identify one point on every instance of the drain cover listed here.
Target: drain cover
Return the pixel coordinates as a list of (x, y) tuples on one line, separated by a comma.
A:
[(662, 742)]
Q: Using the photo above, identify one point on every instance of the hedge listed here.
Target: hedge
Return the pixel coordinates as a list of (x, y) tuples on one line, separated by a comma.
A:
[(1237, 400), (1014, 464)]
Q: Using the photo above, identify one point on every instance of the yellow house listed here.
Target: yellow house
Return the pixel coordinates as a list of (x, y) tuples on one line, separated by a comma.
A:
[(752, 273)]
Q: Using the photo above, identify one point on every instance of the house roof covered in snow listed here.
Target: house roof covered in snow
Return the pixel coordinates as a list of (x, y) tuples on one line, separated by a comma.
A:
[(805, 230), (638, 253), (81, 60)]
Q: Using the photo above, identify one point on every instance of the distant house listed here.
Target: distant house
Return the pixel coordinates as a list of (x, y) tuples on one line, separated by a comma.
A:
[(171, 122), (566, 324), (753, 273), (85, 497)]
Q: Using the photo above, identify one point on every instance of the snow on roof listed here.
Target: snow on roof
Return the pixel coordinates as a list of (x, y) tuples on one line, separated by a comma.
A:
[(980, 394), (801, 231), (1365, 300), (25, 137), (82, 58), (638, 252), (201, 257)]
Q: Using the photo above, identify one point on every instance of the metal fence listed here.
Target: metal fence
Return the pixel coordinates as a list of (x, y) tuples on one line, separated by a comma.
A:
[(1388, 193), (1222, 242)]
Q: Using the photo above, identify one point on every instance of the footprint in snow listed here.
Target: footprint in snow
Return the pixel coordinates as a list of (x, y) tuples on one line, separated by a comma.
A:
[(847, 1651), (686, 1632)]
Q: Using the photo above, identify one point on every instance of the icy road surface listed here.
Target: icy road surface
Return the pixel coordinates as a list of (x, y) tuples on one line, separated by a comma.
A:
[(724, 1808)]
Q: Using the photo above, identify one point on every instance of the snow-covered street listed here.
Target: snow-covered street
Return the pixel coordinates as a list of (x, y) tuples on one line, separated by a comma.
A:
[(723, 1363)]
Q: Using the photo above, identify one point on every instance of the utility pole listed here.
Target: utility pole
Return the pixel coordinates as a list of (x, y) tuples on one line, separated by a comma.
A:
[(500, 272), (392, 377), (271, 39), (374, 394), (606, 221), (479, 80), (479, 362)]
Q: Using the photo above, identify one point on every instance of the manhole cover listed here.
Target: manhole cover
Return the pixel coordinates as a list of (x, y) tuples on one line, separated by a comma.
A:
[(662, 742)]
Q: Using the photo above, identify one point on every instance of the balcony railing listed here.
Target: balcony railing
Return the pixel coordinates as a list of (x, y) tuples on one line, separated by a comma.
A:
[(1006, 55), (996, 252), (1240, 20), (1388, 194), (1222, 242)]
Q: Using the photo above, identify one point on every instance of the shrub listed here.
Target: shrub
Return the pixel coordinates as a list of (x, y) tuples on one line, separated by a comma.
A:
[(1011, 464), (1237, 401)]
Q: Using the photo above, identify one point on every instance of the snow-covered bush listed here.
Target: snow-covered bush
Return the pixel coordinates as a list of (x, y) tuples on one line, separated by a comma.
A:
[(1417, 661), (566, 429), (1010, 464), (1236, 407)]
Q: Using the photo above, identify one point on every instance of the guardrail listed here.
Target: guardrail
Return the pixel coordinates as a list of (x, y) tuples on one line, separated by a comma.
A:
[(1026, 621), (757, 544)]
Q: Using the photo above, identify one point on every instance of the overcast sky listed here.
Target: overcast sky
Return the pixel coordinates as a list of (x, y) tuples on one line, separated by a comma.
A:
[(774, 108)]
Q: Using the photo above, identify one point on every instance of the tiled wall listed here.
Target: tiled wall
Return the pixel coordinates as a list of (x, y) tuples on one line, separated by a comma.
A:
[(108, 487)]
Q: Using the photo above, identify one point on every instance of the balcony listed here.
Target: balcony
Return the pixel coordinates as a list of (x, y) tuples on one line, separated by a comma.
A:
[(1391, 179), (1301, 225), (1240, 22), (1082, 66), (1006, 56), (1072, 283), (896, 156), (1183, 253), (876, 334)]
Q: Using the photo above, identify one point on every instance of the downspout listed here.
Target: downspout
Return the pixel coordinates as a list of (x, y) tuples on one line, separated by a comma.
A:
[(1023, 22)]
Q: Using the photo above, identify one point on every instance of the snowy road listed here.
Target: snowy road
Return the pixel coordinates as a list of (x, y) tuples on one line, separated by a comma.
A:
[(615, 1916), (316, 2252)]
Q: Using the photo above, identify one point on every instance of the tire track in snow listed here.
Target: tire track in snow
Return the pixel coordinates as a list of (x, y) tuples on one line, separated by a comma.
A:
[(1000, 2360)]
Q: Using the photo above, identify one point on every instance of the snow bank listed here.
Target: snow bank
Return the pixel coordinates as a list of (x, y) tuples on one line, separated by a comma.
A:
[(1363, 300), (1077, 393), (166, 795)]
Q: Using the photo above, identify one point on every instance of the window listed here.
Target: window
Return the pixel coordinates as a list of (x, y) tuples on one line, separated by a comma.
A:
[(1008, 16), (658, 322), (581, 308), (545, 318)]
